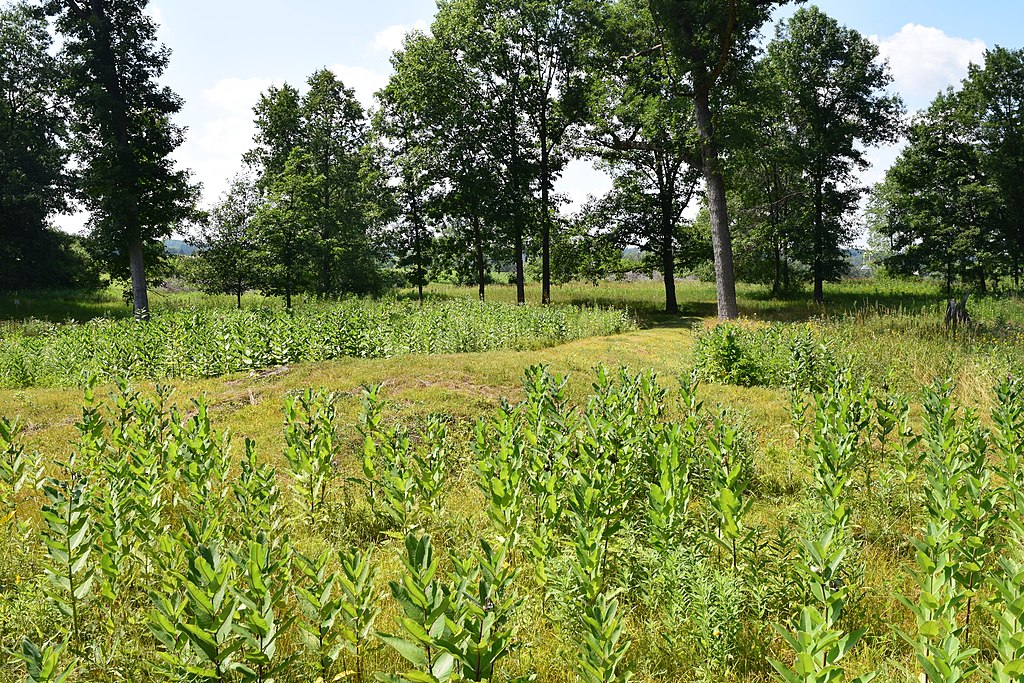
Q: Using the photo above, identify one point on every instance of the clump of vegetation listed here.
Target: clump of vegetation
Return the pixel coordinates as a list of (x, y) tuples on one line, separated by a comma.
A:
[(789, 356), (206, 342)]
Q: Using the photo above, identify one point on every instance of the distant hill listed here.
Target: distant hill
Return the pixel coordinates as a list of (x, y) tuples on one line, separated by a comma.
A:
[(179, 247)]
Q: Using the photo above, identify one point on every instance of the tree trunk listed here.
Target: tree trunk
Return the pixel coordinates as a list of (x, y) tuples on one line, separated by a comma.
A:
[(721, 240), (545, 199), (668, 260), (117, 109), (418, 246), (478, 243), (238, 297), (140, 297), (777, 277), (517, 213), (786, 282), (520, 274), (819, 264)]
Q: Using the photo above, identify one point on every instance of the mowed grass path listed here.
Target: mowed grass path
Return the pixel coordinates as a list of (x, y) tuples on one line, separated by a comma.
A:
[(464, 386)]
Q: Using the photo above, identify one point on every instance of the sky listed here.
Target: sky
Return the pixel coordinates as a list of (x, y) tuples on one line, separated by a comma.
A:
[(226, 52)]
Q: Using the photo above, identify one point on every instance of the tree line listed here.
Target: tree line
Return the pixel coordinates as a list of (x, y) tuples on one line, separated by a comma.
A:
[(454, 169)]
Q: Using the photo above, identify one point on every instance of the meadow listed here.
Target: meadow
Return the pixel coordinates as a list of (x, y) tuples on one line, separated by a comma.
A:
[(809, 494)]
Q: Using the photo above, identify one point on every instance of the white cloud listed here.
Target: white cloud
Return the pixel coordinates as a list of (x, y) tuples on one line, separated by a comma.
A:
[(364, 81), (924, 60), (390, 39)]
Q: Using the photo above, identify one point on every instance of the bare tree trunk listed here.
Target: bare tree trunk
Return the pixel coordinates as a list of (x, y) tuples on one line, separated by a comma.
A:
[(819, 265), (777, 277), (545, 196), (418, 246), (668, 260), (238, 297), (140, 297), (721, 240), (520, 274), (478, 243)]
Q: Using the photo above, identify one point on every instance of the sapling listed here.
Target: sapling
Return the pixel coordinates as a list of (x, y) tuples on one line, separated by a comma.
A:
[(321, 603), (424, 604), (69, 536), (603, 650), (311, 447)]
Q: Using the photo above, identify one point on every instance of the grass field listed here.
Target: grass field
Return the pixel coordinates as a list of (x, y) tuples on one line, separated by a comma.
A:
[(619, 509)]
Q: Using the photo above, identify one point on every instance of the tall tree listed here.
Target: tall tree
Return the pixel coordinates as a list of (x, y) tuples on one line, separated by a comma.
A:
[(489, 40), (767, 182), (334, 134), (554, 36), (285, 233), (936, 203), (33, 137), (708, 42), (124, 136), (996, 91), (642, 130), (833, 83), (317, 174), (449, 136)]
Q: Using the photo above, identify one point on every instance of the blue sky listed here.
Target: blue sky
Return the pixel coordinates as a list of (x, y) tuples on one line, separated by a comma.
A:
[(225, 52)]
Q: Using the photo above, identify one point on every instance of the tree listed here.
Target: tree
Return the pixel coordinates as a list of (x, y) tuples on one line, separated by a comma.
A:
[(124, 136), (284, 230), (997, 93), (553, 35), (487, 39), (642, 130), (707, 43), (768, 184), (224, 262), (833, 83), (334, 134), (33, 156), (936, 202), (448, 146), (318, 178)]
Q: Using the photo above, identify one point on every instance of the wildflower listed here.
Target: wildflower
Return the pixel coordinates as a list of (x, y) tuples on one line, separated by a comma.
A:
[(717, 632)]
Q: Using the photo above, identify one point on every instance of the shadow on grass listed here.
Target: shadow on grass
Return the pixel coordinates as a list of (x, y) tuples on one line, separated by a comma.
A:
[(60, 306)]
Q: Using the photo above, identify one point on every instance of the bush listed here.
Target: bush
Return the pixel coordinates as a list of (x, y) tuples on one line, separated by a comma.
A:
[(790, 356)]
